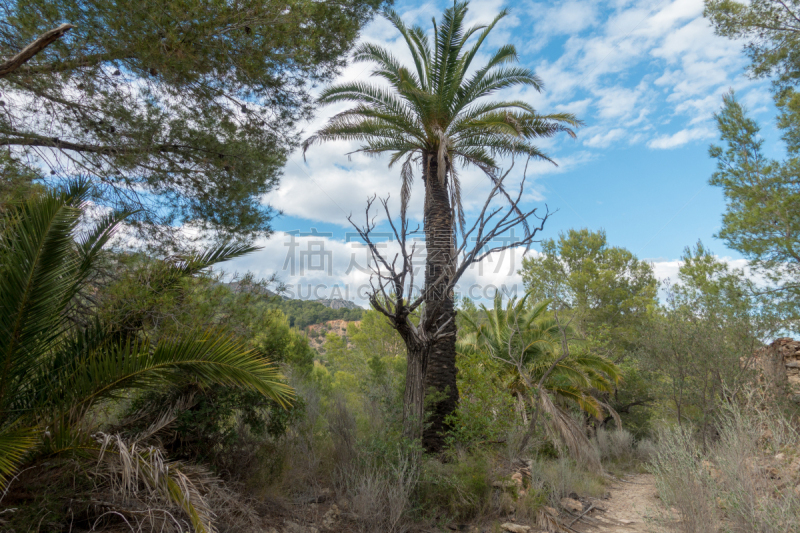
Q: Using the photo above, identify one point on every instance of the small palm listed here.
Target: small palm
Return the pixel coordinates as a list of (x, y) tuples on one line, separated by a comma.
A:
[(531, 339)]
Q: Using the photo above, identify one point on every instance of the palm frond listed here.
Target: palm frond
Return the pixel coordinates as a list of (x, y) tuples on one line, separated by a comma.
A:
[(434, 110), (564, 428), (37, 270), (210, 358), (128, 466), (15, 444)]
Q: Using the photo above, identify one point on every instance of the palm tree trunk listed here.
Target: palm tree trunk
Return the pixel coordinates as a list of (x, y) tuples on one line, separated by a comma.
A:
[(414, 397), (440, 378)]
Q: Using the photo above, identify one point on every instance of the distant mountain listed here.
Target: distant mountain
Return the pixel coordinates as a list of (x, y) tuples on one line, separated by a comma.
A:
[(303, 313), (339, 303)]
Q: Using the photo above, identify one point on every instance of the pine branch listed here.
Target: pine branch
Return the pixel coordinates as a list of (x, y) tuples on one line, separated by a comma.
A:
[(32, 49)]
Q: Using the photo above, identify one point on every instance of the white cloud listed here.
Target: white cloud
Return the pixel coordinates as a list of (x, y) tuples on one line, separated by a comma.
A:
[(320, 266), (605, 139), (569, 17), (666, 142), (629, 68)]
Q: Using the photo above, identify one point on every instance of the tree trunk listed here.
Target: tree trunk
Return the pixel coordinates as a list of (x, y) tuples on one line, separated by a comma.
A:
[(440, 377), (414, 397)]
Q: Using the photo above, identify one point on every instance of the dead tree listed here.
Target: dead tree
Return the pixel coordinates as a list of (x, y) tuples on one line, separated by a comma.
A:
[(392, 281)]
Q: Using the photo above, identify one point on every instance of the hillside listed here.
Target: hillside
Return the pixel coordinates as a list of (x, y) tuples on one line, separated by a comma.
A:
[(304, 313)]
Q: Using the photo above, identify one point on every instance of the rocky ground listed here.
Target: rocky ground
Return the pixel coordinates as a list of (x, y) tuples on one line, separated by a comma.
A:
[(630, 506)]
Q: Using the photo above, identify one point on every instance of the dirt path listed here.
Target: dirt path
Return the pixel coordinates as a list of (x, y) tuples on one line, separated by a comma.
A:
[(629, 509)]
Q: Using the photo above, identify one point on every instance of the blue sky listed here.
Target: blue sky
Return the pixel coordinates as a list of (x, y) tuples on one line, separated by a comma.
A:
[(645, 76)]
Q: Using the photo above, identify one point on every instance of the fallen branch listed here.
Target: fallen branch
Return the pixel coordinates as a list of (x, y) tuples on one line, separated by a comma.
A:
[(582, 515)]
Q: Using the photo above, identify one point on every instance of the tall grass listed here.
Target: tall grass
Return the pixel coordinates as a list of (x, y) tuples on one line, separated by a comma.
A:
[(738, 484)]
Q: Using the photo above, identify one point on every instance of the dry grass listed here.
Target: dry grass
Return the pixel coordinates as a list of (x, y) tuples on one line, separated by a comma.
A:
[(562, 477), (619, 450), (381, 498), (739, 484)]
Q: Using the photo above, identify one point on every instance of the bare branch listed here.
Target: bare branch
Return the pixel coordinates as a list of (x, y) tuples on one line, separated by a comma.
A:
[(32, 49)]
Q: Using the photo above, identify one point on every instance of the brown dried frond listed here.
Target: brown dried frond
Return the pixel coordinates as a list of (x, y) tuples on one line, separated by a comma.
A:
[(141, 473), (571, 434)]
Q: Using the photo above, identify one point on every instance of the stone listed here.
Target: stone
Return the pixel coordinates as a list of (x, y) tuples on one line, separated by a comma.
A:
[(515, 528), (572, 505), (779, 363), (780, 457), (552, 511), (294, 527), (330, 517)]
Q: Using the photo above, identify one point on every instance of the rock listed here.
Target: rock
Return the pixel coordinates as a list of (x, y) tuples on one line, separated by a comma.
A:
[(294, 527), (515, 528), (572, 505), (779, 364), (330, 517), (552, 511)]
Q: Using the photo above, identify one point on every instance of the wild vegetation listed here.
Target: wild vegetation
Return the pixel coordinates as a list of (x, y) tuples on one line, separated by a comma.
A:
[(143, 389)]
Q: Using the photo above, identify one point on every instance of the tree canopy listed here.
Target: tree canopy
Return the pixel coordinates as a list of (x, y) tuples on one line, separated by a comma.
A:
[(186, 108), (762, 217), (439, 107), (607, 286), (772, 30)]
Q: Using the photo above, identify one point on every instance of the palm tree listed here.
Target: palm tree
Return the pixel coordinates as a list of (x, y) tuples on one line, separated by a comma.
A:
[(436, 115), (540, 366), (54, 371)]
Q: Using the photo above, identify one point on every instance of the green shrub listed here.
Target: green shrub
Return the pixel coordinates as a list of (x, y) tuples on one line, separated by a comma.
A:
[(458, 490)]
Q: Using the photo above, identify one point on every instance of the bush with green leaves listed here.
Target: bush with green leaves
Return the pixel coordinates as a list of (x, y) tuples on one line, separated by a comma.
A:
[(62, 365)]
